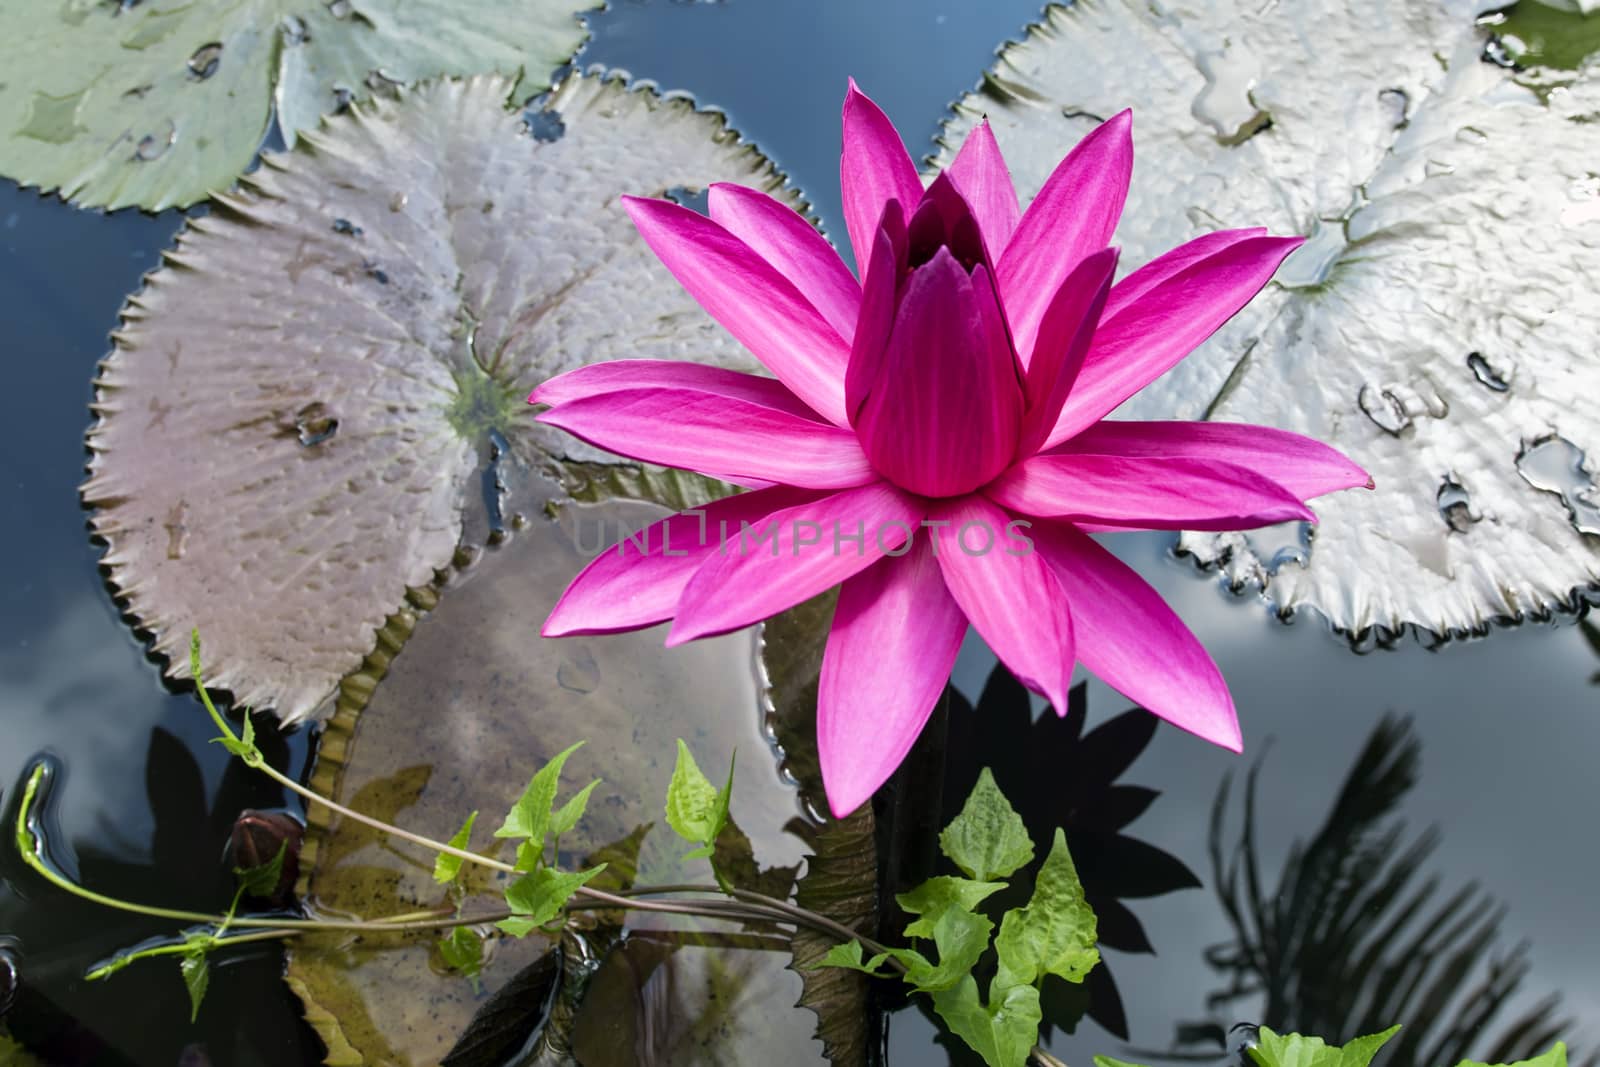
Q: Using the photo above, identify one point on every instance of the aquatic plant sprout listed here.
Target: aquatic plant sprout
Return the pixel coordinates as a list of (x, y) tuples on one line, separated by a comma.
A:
[(934, 440)]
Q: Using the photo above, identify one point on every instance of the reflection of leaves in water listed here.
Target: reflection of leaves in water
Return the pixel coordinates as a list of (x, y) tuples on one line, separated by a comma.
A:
[(509, 1017), (292, 418), (1352, 938), (1441, 315), (186, 868), (1056, 775), (181, 864), (1591, 634), (689, 999)]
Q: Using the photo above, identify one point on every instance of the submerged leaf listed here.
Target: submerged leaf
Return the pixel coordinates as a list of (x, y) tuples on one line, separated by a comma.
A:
[(160, 104), (462, 950), (1437, 323), (291, 421)]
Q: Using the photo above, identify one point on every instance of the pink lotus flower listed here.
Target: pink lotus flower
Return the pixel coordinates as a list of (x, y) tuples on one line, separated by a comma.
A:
[(955, 397)]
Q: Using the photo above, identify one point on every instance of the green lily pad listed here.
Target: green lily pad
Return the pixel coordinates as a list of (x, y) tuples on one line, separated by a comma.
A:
[(1534, 34), (162, 102), (294, 415), (469, 692), (1439, 321)]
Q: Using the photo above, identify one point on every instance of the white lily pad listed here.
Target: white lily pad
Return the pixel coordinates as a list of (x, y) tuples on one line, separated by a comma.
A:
[(160, 102), (292, 418), (1440, 322)]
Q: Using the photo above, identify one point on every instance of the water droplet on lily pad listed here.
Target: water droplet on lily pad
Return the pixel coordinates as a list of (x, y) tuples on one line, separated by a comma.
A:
[(1555, 465), (205, 61)]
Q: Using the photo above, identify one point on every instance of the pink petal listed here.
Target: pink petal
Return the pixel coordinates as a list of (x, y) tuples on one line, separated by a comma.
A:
[(1074, 214), (793, 555), (942, 416), (1131, 639), (716, 433), (881, 276), (597, 379), (1064, 339), (1304, 467), (1165, 324), (778, 234), (896, 632), (756, 304), (1171, 262), (1007, 592), (638, 581), (1141, 492), (979, 172), (874, 168)]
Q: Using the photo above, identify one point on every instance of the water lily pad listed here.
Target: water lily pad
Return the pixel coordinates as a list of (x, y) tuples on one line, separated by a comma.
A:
[(159, 103), (1440, 321), (292, 418), (454, 714)]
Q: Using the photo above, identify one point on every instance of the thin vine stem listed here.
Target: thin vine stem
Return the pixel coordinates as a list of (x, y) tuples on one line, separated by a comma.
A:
[(794, 912)]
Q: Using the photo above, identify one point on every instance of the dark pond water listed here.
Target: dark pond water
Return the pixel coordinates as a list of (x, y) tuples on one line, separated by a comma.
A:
[(1506, 729)]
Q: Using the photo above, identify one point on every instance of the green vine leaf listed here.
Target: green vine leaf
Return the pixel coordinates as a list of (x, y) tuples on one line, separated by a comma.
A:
[(1294, 1050), (988, 839), (196, 976), (538, 897), (445, 866), (696, 809), (1002, 1032), (1055, 933), (1556, 1057), (262, 880), (961, 938), (933, 898), (567, 816), (530, 817), (847, 954)]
